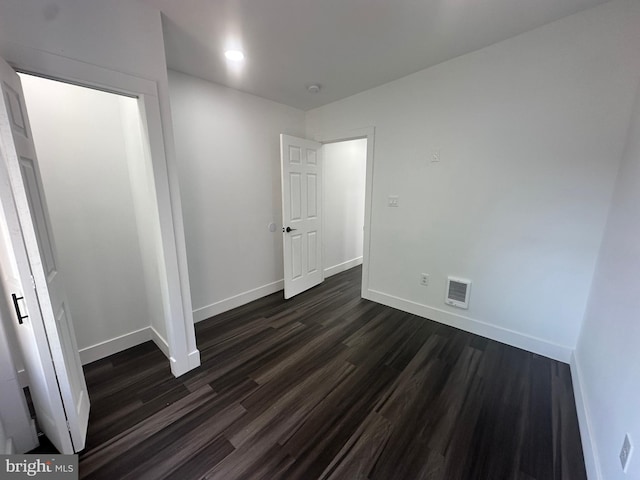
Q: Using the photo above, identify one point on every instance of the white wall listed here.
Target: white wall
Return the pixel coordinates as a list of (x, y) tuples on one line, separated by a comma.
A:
[(344, 171), (607, 358), (143, 195), (530, 131), (228, 151), (82, 152)]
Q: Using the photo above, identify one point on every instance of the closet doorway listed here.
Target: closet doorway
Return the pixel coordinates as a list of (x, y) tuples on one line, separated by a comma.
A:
[(91, 152)]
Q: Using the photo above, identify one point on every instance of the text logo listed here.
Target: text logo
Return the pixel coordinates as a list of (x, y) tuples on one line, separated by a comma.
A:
[(50, 467)]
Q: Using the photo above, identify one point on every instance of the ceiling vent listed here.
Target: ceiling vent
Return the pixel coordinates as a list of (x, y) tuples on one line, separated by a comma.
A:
[(458, 292)]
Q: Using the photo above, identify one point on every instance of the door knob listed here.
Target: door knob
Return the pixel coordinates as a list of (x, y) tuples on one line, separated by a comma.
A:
[(289, 229)]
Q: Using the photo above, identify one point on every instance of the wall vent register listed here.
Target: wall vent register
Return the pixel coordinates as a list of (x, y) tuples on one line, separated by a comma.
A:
[(458, 292)]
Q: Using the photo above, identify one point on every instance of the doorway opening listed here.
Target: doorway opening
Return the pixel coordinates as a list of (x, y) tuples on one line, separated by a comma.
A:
[(92, 198), (98, 188), (344, 185), (306, 193)]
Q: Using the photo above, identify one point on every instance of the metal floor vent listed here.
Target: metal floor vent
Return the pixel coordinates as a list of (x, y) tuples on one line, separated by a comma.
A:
[(458, 292)]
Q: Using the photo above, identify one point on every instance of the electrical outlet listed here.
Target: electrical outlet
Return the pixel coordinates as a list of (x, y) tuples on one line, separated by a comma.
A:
[(625, 453), (393, 201), (435, 155), (424, 279)]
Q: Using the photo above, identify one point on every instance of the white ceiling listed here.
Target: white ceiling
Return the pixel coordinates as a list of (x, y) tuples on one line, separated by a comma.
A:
[(346, 46)]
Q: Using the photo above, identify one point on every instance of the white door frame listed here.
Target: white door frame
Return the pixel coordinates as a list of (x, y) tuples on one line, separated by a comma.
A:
[(183, 353), (355, 134)]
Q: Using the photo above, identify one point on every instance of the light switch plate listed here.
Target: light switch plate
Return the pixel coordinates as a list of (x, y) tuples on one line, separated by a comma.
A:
[(393, 201)]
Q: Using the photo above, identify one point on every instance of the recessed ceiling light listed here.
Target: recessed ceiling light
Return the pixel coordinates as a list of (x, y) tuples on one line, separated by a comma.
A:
[(234, 55), (314, 88)]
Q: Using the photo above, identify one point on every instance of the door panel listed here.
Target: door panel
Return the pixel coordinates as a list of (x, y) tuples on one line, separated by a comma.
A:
[(31, 335), (312, 157), (36, 206), (301, 212), (296, 256), (312, 195), (14, 110), (295, 212), (42, 379), (48, 338), (73, 364), (312, 257), (295, 155)]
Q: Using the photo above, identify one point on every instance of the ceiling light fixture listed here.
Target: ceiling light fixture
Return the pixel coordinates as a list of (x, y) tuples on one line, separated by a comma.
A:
[(315, 88), (234, 55)]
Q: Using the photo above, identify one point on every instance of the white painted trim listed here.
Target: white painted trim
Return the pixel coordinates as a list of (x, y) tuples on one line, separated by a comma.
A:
[(159, 340), (369, 134), (237, 300), (194, 359), (179, 323), (488, 330), (341, 267), (58, 67), (591, 461), (114, 345)]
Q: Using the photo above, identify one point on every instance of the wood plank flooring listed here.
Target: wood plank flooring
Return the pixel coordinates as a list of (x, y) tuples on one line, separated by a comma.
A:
[(330, 386)]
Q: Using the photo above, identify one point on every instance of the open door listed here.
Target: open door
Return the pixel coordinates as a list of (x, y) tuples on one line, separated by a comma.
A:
[(44, 327), (301, 167)]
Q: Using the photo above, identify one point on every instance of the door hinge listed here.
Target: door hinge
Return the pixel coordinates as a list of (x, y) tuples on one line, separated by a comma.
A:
[(33, 282), (68, 426)]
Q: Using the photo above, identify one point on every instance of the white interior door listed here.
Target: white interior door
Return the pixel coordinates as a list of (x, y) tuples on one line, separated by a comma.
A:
[(301, 162), (47, 338)]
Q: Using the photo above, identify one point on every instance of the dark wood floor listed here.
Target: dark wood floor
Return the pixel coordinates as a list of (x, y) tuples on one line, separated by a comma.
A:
[(330, 386)]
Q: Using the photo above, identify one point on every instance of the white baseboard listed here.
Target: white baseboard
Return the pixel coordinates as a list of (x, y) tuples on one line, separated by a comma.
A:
[(591, 462), (341, 267), (236, 301), (494, 332), (115, 345), (194, 359), (160, 341)]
